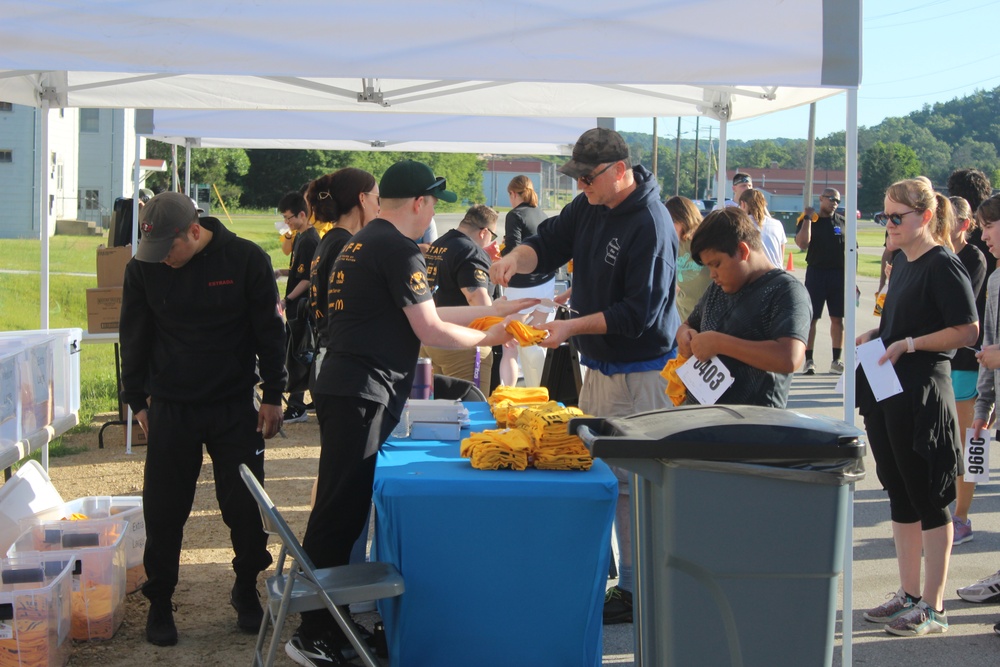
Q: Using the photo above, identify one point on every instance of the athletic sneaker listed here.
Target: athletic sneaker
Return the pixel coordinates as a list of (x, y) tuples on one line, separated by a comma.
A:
[(320, 652), (984, 590), (810, 368), (617, 606), (901, 603), (920, 620), (963, 531), (293, 416), (837, 367)]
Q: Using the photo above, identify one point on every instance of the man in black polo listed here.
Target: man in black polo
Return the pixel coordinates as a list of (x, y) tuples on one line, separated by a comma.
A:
[(458, 272), (821, 235)]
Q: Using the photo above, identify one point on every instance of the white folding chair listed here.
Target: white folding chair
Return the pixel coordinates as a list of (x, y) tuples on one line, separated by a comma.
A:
[(301, 587)]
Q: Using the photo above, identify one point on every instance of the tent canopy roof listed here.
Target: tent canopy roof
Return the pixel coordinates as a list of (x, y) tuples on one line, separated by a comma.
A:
[(553, 57)]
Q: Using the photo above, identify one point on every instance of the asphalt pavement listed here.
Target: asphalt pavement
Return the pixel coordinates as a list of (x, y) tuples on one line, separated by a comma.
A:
[(970, 640)]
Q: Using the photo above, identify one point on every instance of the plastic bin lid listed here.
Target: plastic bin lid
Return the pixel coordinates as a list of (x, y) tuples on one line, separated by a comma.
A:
[(721, 433), (27, 492)]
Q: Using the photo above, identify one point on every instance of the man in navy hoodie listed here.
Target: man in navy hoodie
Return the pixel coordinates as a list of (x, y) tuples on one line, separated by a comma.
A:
[(624, 250), (199, 318)]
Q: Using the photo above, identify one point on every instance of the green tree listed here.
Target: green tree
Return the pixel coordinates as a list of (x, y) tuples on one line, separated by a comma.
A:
[(882, 165), (934, 154), (273, 172), (222, 167)]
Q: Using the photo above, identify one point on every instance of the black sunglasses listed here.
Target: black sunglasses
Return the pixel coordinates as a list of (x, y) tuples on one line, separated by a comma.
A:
[(438, 184), (589, 179), (895, 218)]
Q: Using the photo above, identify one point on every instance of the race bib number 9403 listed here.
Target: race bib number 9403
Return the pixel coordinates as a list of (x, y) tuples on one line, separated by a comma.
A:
[(705, 380)]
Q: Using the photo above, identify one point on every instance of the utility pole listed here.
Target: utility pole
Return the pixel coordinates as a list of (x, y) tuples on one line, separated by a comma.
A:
[(807, 191), (655, 146), (696, 137), (677, 169)]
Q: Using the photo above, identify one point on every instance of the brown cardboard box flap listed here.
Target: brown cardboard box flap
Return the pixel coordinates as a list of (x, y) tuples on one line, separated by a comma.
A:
[(111, 265)]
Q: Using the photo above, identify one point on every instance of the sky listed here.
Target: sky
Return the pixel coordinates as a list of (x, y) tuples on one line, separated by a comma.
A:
[(913, 53)]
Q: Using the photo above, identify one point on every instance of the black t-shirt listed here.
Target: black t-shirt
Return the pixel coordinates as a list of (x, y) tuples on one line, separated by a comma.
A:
[(975, 265), (521, 222), (924, 296), (774, 306), (826, 245), (455, 262), (372, 350), (300, 260), (319, 276)]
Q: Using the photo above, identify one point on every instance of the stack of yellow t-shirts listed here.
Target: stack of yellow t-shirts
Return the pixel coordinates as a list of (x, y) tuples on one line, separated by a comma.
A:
[(524, 334), (554, 448), (496, 449), (503, 397)]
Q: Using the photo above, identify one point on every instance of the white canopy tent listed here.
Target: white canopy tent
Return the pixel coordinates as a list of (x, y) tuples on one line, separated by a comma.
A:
[(544, 58)]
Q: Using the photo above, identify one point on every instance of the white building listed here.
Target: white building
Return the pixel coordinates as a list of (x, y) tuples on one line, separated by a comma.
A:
[(91, 152)]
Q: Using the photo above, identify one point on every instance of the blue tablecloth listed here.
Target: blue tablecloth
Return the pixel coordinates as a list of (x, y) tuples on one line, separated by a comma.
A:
[(502, 568)]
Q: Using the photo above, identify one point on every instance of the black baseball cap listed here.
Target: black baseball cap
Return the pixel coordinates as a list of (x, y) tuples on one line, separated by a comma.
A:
[(410, 178)]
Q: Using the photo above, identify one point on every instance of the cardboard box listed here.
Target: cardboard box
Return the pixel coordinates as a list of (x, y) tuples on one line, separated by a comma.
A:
[(104, 307), (138, 435), (111, 265)]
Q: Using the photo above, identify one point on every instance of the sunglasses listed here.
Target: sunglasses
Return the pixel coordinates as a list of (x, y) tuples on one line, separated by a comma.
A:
[(438, 184), (493, 234), (895, 218), (589, 179)]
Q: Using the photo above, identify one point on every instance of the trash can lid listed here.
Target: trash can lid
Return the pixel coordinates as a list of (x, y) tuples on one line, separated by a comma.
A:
[(721, 433)]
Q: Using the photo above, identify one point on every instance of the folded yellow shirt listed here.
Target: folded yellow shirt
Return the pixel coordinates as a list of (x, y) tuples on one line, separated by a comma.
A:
[(523, 333), (676, 391)]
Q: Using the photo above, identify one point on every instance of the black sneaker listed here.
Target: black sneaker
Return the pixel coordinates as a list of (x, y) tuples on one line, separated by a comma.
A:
[(246, 601), (160, 628), (320, 652), (293, 416), (617, 606)]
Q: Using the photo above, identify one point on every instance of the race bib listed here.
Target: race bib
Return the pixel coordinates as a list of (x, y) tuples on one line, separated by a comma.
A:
[(705, 380), (977, 456)]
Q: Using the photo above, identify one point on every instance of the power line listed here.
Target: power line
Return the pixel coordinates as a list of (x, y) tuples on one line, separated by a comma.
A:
[(934, 18), (928, 94), (909, 9), (927, 74)]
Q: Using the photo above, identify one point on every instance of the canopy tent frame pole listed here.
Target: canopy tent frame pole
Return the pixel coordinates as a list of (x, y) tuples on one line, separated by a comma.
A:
[(43, 211), (850, 323)]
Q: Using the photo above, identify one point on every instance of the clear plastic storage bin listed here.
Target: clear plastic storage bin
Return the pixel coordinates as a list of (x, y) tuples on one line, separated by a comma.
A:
[(35, 591)]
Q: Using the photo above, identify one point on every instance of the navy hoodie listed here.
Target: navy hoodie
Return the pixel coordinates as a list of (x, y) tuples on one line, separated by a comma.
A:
[(624, 264)]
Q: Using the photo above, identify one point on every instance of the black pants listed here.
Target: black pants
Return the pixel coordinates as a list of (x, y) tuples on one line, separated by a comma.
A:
[(349, 427), (177, 432)]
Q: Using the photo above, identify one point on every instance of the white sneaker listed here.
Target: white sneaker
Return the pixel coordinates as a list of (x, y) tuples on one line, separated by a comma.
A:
[(837, 367), (984, 590), (810, 367)]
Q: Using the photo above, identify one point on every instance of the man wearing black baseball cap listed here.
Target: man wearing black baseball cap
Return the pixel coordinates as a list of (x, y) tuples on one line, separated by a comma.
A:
[(199, 320), (381, 310), (624, 248)]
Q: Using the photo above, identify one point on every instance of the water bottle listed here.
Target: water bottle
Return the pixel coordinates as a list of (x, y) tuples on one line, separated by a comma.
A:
[(423, 380), (402, 429)]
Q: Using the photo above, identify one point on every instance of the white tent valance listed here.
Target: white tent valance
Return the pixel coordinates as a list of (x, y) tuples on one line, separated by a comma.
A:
[(360, 131)]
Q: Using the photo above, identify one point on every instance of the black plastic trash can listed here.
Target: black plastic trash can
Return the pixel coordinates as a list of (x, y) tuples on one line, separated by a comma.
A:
[(740, 521)]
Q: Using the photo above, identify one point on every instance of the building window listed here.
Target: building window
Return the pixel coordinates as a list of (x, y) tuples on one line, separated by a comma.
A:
[(91, 200), (6, 106), (6, 156), (59, 177), (90, 120)]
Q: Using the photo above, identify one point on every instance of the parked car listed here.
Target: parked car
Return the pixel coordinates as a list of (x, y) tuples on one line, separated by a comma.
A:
[(842, 211)]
